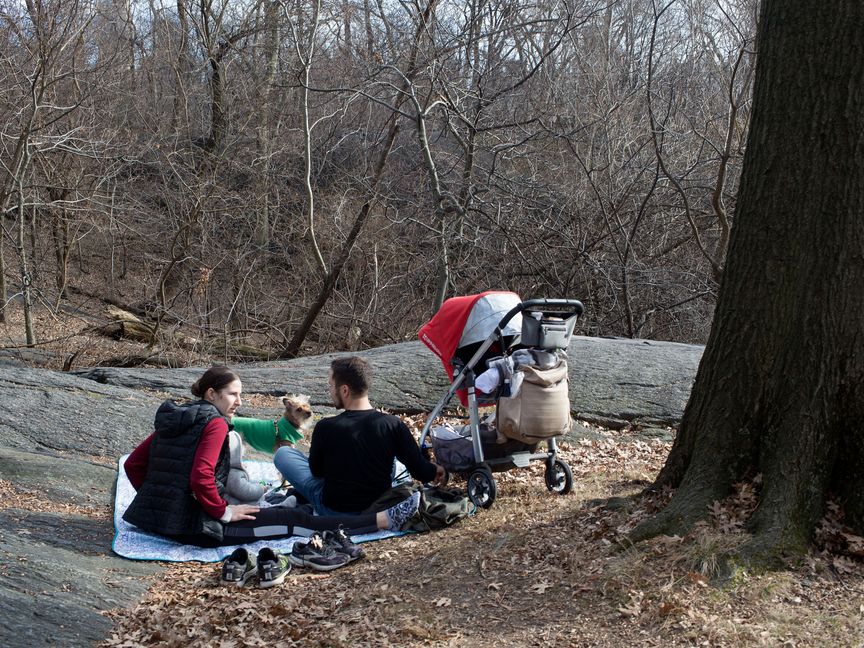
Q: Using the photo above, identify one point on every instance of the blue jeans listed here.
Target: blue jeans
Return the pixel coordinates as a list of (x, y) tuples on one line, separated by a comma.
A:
[(294, 466)]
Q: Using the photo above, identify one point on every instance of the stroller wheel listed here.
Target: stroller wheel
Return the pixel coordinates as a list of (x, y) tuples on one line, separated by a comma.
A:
[(559, 477), (481, 487)]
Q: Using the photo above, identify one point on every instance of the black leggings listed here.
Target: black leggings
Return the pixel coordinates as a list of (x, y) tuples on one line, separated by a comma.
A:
[(275, 522)]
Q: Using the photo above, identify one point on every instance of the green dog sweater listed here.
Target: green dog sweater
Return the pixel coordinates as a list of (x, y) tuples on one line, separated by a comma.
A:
[(263, 435)]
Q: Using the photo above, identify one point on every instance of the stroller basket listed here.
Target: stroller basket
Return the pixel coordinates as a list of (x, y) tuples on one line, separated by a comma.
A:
[(452, 450), (456, 452)]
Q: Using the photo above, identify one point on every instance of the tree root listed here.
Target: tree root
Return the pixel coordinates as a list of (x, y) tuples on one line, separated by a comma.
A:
[(764, 552), (615, 503), (688, 506)]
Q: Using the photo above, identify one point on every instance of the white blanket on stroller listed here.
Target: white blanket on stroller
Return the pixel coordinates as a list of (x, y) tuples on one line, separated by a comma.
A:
[(131, 542), (507, 370)]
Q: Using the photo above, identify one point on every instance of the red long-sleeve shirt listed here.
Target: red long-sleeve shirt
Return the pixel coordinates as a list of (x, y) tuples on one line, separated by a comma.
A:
[(202, 479)]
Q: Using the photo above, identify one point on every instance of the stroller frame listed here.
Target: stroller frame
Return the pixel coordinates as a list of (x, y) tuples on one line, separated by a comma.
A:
[(481, 486)]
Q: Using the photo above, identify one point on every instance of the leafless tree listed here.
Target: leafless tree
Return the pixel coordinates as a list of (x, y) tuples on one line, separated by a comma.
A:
[(318, 175)]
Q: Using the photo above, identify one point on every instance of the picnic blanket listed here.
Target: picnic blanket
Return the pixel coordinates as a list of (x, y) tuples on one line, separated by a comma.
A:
[(135, 544)]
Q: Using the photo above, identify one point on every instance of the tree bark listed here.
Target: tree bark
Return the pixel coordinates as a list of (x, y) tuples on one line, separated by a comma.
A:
[(305, 54), (780, 388), (26, 279), (218, 118), (181, 67)]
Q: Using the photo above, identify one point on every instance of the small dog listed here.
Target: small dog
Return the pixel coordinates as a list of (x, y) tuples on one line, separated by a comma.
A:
[(298, 412)]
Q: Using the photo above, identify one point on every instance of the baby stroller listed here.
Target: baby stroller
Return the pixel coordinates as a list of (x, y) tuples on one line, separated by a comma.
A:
[(498, 350)]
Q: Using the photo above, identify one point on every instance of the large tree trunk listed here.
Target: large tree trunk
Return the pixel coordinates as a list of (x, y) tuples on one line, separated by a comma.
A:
[(780, 390)]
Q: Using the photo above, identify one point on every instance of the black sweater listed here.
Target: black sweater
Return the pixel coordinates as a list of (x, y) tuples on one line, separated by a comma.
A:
[(353, 452)]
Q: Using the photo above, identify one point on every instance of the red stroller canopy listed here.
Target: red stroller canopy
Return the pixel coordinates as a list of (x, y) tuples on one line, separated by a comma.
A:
[(447, 331)]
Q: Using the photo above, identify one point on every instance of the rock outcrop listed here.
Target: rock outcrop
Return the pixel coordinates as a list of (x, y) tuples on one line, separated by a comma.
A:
[(613, 381)]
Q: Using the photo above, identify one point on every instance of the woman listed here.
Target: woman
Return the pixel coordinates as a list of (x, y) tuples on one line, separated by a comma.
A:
[(179, 473)]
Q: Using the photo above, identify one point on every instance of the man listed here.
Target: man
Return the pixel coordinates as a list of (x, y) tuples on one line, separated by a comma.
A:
[(351, 455)]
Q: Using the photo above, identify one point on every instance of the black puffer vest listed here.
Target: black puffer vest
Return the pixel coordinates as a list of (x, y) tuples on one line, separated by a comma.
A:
[(165, 504)]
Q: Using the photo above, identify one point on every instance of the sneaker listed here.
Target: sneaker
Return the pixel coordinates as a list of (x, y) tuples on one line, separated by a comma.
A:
[(272, 567), (317, 554), (340, 541), (280, 496), (402, 512), (237, 568)]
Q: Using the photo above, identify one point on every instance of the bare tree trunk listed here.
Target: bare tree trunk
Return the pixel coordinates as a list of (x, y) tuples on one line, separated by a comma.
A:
[(4, 290), (19, 164), (367, 23), (445, 203), (181, 67), (305, 54), (722, 171), (14, 183), (271, 48), (780, 389), (179, 248), (292, 350), (62, 250), (26, 279), (443, 263), (347, 15), (388, 34), (218, 118), (112, 230)]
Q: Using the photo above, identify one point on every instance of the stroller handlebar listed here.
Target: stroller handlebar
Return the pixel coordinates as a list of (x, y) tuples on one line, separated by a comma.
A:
[(566, 307)]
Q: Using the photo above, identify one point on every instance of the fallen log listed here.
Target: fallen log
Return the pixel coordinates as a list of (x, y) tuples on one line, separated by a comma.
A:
[(236, 351), (126, 326)]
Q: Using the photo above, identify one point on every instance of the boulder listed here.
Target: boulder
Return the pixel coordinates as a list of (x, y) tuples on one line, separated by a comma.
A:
[(613, 381), (67, 413), (619, 381), (59, 573)]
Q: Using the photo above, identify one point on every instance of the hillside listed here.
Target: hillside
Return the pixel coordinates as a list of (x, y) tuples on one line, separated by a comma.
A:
[(535, 568)]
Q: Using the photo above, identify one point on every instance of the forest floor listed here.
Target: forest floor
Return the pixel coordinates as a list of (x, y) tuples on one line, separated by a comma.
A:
[(534, 569)]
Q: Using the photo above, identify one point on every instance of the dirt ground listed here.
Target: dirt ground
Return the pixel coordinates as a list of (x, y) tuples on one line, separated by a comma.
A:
[(537, 569)]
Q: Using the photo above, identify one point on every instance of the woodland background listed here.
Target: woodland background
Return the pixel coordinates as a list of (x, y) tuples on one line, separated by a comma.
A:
[(301, 176)]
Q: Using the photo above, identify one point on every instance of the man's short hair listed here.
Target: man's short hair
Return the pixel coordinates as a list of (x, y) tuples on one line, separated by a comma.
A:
[(354, 372)]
